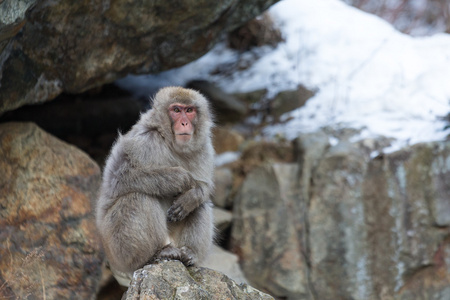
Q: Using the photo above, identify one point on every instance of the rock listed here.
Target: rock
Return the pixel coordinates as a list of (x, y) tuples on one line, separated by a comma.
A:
[(335, 220), (171, 280), (251, 97), (287, 101), (258, 153), (12, 18), (222, 219), (48, 243), (258, 32), (225, 140), (415, 192), (379, 215), (382, 222), (226, 107), (223, 181), (265, 231), (225, 262), (73, 46)]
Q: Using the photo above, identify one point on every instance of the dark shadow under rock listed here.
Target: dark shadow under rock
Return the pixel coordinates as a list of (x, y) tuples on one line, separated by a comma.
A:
[(89, 120)]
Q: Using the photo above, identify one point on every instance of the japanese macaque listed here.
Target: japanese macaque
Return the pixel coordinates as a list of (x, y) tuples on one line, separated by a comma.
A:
[(154, 202)]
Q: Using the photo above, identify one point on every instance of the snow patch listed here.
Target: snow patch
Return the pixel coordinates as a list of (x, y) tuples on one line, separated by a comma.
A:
[(367, 74)]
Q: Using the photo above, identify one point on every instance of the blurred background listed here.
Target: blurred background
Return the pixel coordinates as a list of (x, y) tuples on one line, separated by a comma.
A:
[(332, 150)]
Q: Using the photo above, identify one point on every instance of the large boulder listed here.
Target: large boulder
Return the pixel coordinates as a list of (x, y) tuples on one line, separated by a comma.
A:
[(48, 245), (345, 223), (265, 231), (171, 280), (382, 222), (47, 46)]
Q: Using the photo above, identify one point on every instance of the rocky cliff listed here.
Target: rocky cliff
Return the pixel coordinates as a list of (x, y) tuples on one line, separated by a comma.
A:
[(48, 244), (340, 224), (47, 47)]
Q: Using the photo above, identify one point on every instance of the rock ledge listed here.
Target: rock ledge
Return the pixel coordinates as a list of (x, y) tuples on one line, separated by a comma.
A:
[(171, 280)]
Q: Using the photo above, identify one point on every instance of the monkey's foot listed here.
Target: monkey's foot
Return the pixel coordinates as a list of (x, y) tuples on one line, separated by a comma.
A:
[(168, 252), (188, 257)]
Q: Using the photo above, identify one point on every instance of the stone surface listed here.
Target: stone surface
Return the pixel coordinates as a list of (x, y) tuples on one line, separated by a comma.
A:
[(375, 220), (257, 153), (223, 181), (287, 101), (255, 33), (342, 223), (264, 232), (225, 262), (222, 219), (52, 46), (251, 97), (226, 139), (48, 245), (226, 108), (171, 280), (12, 18)]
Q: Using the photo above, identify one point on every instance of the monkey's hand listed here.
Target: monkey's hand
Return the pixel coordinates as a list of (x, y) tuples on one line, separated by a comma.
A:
[(185, 204)]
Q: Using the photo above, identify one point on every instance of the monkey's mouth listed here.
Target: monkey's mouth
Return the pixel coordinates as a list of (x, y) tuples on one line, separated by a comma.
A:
[(183, 137)]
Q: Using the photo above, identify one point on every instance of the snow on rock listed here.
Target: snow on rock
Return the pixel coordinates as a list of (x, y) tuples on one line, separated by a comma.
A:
[(367, 74), (226, 158)]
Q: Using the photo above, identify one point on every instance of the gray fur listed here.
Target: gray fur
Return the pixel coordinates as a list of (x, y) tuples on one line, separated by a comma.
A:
[(155, 191)]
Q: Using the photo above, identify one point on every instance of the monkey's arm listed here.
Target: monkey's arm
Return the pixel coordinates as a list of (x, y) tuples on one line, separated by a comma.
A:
[(163, 182), (189, 201)]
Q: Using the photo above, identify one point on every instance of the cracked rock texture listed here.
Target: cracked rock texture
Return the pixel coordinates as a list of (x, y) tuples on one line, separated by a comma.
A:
[(47, 47), (342, 224), (172, 280), (48, 246)]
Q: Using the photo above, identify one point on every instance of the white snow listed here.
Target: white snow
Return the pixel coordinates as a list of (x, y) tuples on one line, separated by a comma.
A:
[(226, 158), (367, 74)]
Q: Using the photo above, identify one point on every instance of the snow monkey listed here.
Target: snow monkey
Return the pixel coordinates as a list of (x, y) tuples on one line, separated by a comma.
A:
[(154, 201)]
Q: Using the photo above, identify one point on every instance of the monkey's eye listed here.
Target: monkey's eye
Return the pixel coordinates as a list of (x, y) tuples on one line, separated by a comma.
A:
[(189, 110), (176, 109)]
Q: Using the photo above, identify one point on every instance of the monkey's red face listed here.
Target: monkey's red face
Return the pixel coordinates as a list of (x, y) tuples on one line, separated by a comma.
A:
[(183, 120)]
